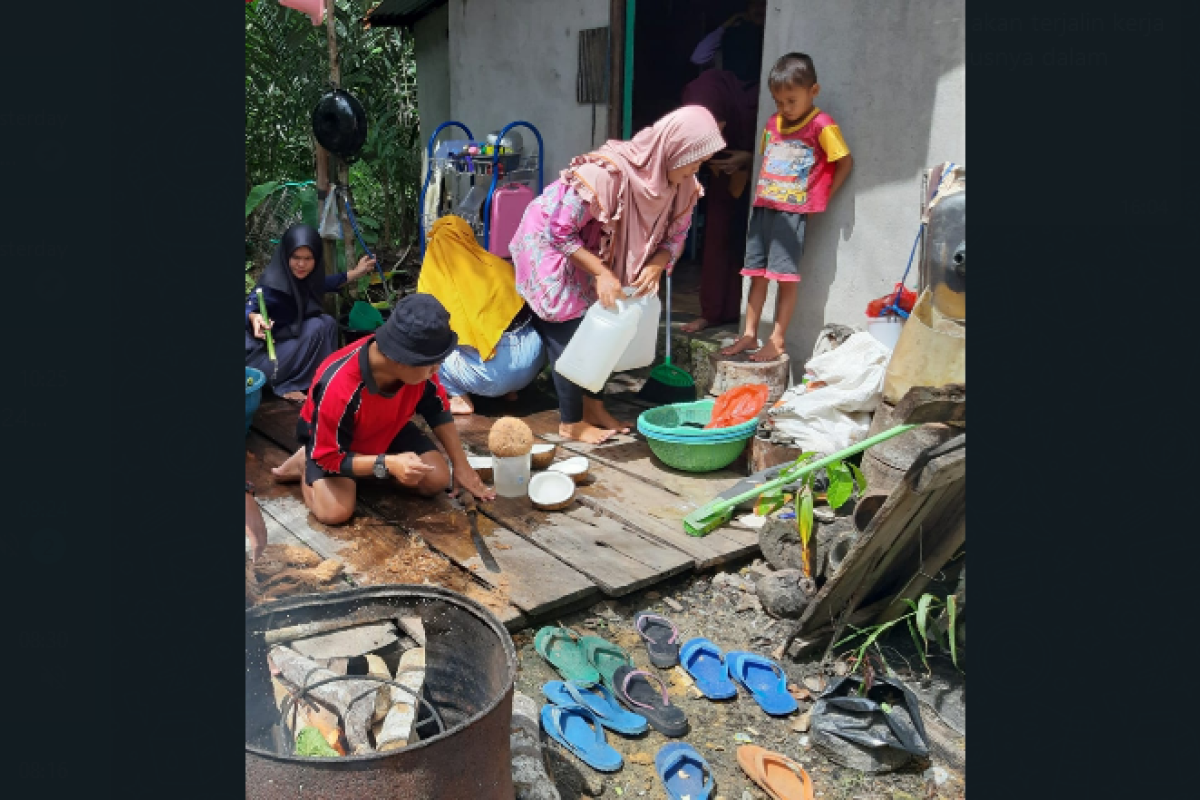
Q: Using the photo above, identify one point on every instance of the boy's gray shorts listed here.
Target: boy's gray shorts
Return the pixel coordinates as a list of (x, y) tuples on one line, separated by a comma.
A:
[(774, 244)]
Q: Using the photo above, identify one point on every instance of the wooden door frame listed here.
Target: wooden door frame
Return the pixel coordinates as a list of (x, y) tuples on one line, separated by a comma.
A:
[(620, 59)]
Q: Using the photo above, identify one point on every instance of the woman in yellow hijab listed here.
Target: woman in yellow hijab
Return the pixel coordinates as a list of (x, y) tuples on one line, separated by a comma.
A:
[(498, 352)]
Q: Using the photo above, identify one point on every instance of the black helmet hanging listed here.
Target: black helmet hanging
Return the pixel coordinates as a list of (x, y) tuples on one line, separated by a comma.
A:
[(340, 123)]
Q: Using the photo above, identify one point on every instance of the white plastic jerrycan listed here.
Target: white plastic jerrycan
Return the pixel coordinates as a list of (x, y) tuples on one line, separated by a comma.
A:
[(640, 352), (598, 344)]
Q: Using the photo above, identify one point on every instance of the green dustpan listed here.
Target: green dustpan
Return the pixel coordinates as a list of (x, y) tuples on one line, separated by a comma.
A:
[(364, 317)]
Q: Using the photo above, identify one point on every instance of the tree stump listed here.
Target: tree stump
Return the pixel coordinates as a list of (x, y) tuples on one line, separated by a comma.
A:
[(731, 371), (764, 454)]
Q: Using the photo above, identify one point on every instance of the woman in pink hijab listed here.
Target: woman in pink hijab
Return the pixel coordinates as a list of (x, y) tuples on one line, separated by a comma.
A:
[(616, 218)]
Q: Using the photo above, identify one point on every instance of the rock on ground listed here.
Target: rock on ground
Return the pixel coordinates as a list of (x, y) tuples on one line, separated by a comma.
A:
[(781, 594)]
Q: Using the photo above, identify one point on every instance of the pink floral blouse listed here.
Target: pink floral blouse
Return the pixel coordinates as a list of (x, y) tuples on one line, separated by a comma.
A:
[(555, 225)]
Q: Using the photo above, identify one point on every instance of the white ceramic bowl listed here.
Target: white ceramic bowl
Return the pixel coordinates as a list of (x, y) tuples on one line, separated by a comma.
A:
[(576, 467), (551, 491)]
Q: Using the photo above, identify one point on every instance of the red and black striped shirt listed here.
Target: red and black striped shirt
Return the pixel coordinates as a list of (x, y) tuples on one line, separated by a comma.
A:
[(347, 415)]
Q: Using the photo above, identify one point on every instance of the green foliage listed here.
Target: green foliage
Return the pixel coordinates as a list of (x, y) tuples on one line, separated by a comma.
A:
[(918, 622), (843, 476), (769, 502), (287, 71), (258, 194)]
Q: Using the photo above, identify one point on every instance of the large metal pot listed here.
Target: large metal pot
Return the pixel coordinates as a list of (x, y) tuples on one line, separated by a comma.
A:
[(471, 667)]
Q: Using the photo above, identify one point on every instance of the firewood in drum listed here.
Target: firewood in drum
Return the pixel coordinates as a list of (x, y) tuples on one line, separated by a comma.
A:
[(414, 628), (309, 629), (307, 714), (350, 642), (377, 667), (338, 695), (398, 725), (312, 715)]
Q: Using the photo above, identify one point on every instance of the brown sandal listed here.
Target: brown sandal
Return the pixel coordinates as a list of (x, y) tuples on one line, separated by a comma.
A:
[(779, 776)]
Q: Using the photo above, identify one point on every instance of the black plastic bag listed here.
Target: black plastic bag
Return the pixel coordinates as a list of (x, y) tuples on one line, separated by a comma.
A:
[(878, 731)]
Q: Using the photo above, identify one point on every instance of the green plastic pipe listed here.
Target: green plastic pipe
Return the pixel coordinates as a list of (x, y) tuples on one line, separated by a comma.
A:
[(262, 309), (705, 519)]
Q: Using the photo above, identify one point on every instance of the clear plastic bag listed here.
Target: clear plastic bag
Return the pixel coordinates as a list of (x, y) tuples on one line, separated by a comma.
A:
[(330, 227)]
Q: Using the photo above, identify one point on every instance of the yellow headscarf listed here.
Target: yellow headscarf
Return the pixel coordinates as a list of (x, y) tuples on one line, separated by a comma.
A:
[(477, 288)]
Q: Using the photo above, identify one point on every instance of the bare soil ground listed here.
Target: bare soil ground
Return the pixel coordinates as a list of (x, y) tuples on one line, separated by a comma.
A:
[(717, 729)]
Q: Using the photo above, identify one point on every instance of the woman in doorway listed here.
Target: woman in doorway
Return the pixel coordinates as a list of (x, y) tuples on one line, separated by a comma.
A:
[(293, 285), (499, 352), (734, 104), (616, 218)]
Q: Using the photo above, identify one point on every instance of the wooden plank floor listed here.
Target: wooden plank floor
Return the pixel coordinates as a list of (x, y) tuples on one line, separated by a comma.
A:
[(533, 580), (365, 545), (632, 486), (624, 532)]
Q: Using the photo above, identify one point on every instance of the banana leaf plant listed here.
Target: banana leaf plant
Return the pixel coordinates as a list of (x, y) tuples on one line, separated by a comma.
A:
[(843, 477)]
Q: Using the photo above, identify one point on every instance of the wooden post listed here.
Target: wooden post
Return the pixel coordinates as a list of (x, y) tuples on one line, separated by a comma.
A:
[(328, 248), (328, 253)]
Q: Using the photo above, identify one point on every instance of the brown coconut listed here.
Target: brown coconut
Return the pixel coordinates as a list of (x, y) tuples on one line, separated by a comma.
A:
[(510, 437)]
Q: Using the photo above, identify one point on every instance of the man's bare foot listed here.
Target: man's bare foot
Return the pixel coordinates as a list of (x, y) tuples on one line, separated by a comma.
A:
[(512, 397), (770, 351), (584, 432), (461, 405), (291, 470), (594, 413), (695, 325), (296, 397), (743, 343)]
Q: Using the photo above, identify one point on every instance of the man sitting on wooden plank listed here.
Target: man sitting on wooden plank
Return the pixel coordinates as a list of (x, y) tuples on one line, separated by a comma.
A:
[(357, 420)]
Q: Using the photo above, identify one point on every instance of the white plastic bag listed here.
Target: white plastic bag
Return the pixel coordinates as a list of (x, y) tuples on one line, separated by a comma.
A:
[(331, 226), (838, 414)]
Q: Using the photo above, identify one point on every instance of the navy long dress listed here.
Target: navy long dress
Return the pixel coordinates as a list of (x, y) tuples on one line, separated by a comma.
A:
[(304, 335)]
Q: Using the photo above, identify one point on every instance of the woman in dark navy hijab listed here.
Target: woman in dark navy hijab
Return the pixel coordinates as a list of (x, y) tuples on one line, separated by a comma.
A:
[(293, 285)]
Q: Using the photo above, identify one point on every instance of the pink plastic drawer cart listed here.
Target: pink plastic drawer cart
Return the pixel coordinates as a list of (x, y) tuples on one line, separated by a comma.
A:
[(488, 183)]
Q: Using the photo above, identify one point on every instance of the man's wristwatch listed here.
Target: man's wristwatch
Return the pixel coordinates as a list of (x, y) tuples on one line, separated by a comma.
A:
[(381, 470)]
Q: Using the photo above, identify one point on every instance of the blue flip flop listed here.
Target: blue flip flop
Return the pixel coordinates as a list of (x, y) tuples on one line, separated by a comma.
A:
[(578, 730), (600, 701), (764, 679), (683, 772), (704, 661)]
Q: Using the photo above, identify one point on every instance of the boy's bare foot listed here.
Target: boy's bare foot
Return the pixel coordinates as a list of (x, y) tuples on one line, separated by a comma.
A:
[(512, 397), (770, 351), (743, 343), (584, 432), (296, 397), (594, 413), (695, 325), (291, 470), (461, 405)]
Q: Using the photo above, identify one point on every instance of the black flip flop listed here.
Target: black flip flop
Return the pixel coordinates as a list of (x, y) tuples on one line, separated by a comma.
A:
[(635, 689), (662, 638)]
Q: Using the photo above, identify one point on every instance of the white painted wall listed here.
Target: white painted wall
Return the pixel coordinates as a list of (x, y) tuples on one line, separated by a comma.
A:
[(518, 61), (893, 76), (432, 47)]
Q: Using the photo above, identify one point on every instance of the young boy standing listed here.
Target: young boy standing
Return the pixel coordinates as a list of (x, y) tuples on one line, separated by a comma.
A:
[(805, 161)]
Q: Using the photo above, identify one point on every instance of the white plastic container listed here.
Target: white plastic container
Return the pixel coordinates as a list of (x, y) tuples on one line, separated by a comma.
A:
[(640, 352), (598, 344), (886, 330), (512, 475)]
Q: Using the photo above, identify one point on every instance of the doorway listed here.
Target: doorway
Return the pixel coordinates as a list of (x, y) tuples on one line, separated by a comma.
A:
[(658, 39)]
